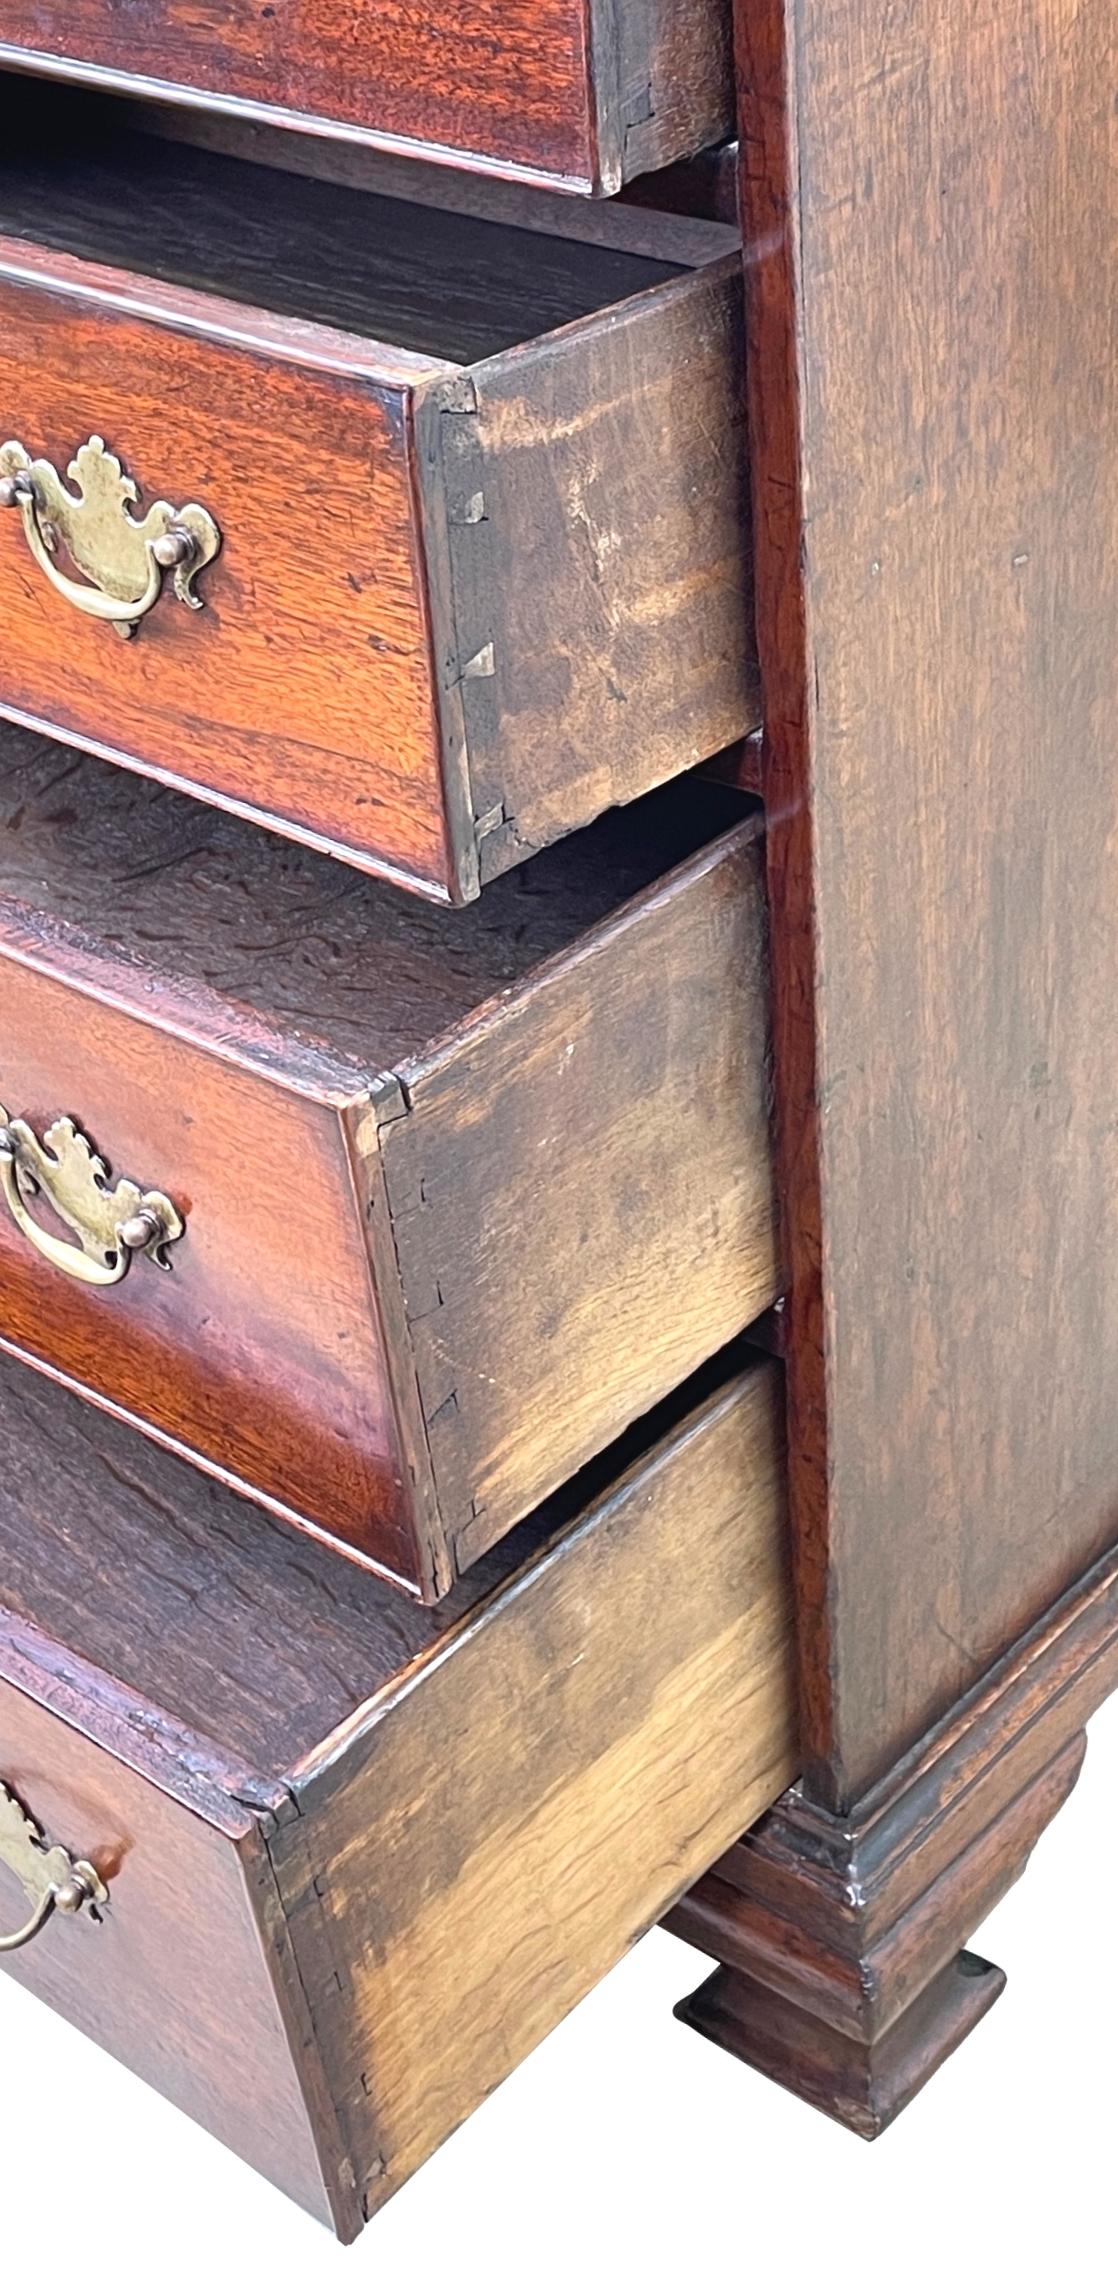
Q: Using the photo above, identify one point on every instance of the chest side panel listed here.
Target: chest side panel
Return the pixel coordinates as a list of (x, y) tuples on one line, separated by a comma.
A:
[(935, 412)]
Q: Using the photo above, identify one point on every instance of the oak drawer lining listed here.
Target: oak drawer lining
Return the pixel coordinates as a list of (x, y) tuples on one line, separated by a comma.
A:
[(441, 284)]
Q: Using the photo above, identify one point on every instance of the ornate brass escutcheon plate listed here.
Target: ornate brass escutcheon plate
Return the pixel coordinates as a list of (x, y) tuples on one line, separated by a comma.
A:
[(112, 1223), (51, 1879), (123, 559)]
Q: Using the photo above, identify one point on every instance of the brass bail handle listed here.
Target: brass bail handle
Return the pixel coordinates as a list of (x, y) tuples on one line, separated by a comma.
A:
[(112, 1223), (124, 559), (53, 1880)]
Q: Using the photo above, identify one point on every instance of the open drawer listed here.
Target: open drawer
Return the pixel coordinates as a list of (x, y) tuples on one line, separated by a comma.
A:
[(360, 1857), (452, 1196), (581, 93), (458, 509)]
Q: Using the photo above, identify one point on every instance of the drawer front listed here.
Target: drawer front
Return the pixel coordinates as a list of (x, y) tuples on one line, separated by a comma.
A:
[(258, 1351), (170, 1975), (301, 690), (582, 96)]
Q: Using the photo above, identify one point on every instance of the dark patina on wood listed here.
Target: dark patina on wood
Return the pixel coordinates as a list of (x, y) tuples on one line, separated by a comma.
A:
[(464, 1192), (842, 1973), (481, 492), (585, 94), (934, 406), (673, 208), (933, 414), (361, 1856)]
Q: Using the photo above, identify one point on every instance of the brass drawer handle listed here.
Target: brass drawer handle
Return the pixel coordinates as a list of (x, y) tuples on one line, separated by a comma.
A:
[(52, 1879), (112, 1223), (123, 559)]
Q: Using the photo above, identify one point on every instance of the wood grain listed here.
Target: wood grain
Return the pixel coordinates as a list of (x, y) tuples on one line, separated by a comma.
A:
[(583, 93), (367, 674), (256, 1641), (173, 1979), (363, 1855), (687, 213), (934, 413), (463, 1195), (625, 494), (331, 973), (245, 701), (675, 72), (856, 2010), (580, 1193), (436, 279), (839, 1938), (513, 1868), (273, 1374)]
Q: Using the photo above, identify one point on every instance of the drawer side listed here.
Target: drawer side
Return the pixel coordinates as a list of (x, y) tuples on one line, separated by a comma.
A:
[(590, 495), (469, 1865), (581, 1192), (672, 61)]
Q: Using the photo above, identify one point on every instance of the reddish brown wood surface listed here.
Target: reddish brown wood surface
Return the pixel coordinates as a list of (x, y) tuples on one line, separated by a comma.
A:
[(366, 672), (841, 1973), (173, 1979), (582, 92), (934, 419), (362, 1855), (245, 700), (274, 1371), (462, 1196)]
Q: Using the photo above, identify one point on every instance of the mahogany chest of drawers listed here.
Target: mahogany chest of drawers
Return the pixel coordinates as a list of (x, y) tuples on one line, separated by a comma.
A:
[(385, 557)]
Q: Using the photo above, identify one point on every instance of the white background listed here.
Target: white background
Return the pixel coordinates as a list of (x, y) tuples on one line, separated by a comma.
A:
[(628, 2145)]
